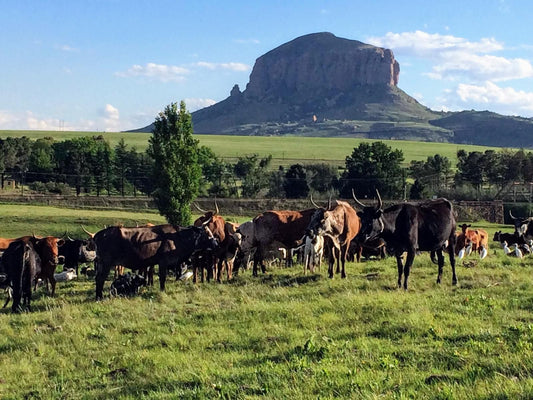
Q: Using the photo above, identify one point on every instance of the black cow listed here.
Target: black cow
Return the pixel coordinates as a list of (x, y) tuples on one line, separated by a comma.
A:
[(522, 226), (135, 248), (410, 227), (21, 264), (75, 252)]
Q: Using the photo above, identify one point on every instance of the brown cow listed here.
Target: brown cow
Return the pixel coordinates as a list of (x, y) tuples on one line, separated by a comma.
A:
[(4, 243), (286, 227), (340, 222), (228, 239), (476, 240)]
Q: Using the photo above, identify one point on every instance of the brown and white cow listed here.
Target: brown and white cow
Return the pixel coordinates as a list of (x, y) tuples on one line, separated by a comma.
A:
[(472, 240), (339, 221)]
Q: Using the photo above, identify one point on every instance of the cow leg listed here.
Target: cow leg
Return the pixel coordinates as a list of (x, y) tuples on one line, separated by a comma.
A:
[(452, 263), (102, 271), (17, 293), (220, 269), (229, 268), (399, 264), (440, 260), (407, 267), (52, 284), (162, 276)]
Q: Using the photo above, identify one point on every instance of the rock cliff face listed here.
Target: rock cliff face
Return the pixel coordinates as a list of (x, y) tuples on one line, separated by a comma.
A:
[(323, 62)]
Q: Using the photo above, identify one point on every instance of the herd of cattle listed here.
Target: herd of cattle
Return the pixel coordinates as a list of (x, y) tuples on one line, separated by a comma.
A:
[(335, 232)]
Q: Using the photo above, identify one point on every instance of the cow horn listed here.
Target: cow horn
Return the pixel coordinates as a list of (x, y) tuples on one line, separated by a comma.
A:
[(380, 202), (216, 208), (329, 202), (511, 215), (87, 232), (313, 203), (356, 200), (199, 209)]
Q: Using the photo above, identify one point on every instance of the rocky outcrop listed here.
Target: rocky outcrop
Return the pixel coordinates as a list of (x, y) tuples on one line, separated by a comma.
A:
[(320, 62)]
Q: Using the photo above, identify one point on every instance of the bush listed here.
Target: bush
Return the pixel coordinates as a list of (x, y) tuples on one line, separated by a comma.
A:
[(51, 187)]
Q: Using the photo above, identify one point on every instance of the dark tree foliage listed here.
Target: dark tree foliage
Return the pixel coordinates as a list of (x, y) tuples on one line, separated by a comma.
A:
[(433, 174), (295, 184), (216, 175), (252, 171), (373, 166), (176, 172), (322, 177), (275, 183)]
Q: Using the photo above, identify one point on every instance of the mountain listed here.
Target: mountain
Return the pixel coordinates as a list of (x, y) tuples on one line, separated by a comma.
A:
[(322, 85)]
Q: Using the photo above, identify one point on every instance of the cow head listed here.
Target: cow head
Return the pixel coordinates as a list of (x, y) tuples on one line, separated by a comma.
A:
[(520, 224), (204, 237), (214, 222), (372, 224), (322, 220), (47, 248)]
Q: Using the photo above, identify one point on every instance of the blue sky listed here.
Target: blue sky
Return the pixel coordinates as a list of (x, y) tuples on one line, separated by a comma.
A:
[(111, 65)]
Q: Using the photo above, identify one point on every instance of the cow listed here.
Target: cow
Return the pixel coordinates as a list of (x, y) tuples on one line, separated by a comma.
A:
[(21, 264), (74, 252), (4, 243), (285, 227), (376, 248), (523, 226), (411, 227), (510, 238), (228, 241), (166, 245), (313, 252), (476, 240), (339, 221)]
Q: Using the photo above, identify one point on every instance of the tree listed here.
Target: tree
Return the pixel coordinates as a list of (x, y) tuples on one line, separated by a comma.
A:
[(434, 173), (295, 184), (176, 172), (373, 166), (253, 173)]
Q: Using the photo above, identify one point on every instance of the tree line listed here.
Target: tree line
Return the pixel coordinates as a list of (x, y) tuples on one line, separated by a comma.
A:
[(89, 165)]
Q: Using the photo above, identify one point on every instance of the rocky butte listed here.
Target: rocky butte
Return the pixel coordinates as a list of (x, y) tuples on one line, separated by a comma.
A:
[(323, 85)]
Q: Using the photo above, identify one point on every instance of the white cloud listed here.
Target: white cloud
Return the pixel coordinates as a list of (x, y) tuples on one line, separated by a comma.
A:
[(506, 99), (247, 41), (66, 47), (455, 57), (232, 66), (197, 104), (111, 118), (163, 73)]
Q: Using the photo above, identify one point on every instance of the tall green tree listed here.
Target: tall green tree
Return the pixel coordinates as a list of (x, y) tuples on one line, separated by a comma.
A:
[(176, 172), (373, 166)]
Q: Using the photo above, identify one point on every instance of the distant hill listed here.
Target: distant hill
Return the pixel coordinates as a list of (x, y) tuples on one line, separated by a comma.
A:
[(322, 85)]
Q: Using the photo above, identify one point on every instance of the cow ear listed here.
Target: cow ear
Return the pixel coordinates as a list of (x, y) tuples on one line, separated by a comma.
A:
[(60, 242)]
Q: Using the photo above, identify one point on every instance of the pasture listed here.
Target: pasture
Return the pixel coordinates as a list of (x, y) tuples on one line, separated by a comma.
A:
[(281, 335), (285, 150)]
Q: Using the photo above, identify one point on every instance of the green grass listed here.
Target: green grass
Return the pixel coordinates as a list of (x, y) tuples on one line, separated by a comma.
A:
[(285, 150), (281, 335)]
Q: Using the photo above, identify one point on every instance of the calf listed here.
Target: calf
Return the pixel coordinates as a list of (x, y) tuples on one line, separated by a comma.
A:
[(474, 239), (510, 238), (313, 252)]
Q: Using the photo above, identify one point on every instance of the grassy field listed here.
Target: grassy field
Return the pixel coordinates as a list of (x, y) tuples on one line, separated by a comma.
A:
[(281, 335), (285, 150)]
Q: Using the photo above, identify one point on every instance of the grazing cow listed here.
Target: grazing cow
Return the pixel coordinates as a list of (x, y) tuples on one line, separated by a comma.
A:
[(476, 240), (286, 227), (410, 227), (340, 222), (376, 248), (313, 252), (510, 238), (166, 245), (74, 252), (228, 241), (21, 264)]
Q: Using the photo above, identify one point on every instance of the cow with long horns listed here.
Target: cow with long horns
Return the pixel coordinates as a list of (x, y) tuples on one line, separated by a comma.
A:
[(410, 227), (341, 223)]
